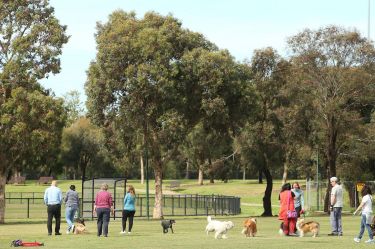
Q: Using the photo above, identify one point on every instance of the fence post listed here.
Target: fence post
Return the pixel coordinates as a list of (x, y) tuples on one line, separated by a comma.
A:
[(185, 206), (222, 205), (206, 204), (196, 204), (172, 205), (140, 209), (214, 203), (28, 207)]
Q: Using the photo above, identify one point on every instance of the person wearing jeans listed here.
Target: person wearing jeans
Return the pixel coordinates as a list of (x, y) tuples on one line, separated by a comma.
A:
[(336, 207), (71, 207), (103, 208), (129, 210), (366, 217)]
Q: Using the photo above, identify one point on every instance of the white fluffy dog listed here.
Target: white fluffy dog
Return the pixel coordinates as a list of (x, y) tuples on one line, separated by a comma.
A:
[(219, 227)]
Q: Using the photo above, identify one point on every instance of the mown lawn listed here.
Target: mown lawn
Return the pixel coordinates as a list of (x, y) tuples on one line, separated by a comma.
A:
[(189, 233), (250, 191)]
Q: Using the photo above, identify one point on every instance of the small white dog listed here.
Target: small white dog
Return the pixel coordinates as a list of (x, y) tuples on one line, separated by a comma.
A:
[(219, 227)]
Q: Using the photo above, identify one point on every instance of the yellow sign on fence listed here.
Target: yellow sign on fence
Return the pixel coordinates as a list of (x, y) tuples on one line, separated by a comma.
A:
[(360, 186)]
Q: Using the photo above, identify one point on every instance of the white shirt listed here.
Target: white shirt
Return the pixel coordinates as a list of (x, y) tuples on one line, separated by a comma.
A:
[(367, 204), (337, 192)]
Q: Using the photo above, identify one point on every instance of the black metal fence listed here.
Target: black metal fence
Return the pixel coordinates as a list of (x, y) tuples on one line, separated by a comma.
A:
[(31, 205)]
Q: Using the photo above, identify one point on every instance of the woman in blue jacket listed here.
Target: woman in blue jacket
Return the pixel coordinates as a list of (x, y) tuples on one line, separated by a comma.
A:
[(129, 209)]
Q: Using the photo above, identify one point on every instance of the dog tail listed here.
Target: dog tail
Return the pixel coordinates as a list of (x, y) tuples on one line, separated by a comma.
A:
[(208, 218)]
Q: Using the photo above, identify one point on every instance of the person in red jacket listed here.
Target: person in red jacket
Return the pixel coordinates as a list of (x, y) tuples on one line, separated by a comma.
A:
[(286, 198)]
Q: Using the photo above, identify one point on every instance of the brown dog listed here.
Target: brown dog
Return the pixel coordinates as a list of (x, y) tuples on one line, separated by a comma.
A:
[(306, 227), (250, 227), (80, 227)]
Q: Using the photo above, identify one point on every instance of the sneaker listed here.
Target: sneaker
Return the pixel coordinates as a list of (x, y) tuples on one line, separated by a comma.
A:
[(122, 232), (67, 231), (292, 234), (370, 241), (357, 240), (57, 233), (129, 232)]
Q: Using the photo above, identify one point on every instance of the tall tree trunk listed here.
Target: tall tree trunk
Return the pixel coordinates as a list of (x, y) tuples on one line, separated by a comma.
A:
[(3, 179), (260, 176), (267, 206), (158, 208), (331, 156), (244, 173), (327, 196), (83, 172), (142, 171), (211, 171), (285, 173), (200, 175), (187, 170), (350, 187)]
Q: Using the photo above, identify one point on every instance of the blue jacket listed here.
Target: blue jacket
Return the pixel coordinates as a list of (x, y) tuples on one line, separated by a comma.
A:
[(129, 202)]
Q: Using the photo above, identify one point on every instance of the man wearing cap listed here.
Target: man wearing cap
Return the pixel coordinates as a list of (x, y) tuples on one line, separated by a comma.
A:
[(336, 207), (53, 199)]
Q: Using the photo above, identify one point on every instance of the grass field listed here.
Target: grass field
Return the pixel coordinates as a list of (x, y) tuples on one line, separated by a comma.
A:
[(189, 233), (250, 191)]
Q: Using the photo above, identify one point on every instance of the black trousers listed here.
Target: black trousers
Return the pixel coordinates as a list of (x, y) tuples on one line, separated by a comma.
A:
[(125, 215), (103, 220), (54, 211)]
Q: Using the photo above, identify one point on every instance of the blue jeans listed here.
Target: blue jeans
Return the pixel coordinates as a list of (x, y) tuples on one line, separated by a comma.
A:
[(335, 219), (363, 225), (69, 216)]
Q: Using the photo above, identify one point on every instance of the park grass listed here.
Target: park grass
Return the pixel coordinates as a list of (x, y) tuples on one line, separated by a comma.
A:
[(189, 233), (250, 191)]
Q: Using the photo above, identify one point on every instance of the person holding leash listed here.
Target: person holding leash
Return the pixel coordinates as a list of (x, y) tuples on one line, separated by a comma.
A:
[(71, 207), (366, 217)]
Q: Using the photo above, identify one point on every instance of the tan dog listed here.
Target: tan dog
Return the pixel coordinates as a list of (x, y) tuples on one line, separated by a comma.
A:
[(250, 227), (306, 227), (80, 227)]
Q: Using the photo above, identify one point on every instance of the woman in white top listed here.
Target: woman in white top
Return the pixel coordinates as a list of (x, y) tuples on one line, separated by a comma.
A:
[(366, 206)]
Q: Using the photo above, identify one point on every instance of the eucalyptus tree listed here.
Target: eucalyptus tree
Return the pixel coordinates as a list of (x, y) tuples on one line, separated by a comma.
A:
[(334, 67), (261, 140), (134, 86), (220, 102), (31, 39), (74, 107), (82, 147)]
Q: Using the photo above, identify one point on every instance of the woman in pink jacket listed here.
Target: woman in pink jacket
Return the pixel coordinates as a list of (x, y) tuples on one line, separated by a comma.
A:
[(103, 208)]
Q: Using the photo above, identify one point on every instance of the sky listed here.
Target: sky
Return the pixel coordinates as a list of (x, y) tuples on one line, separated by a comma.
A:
[(237, 25)]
